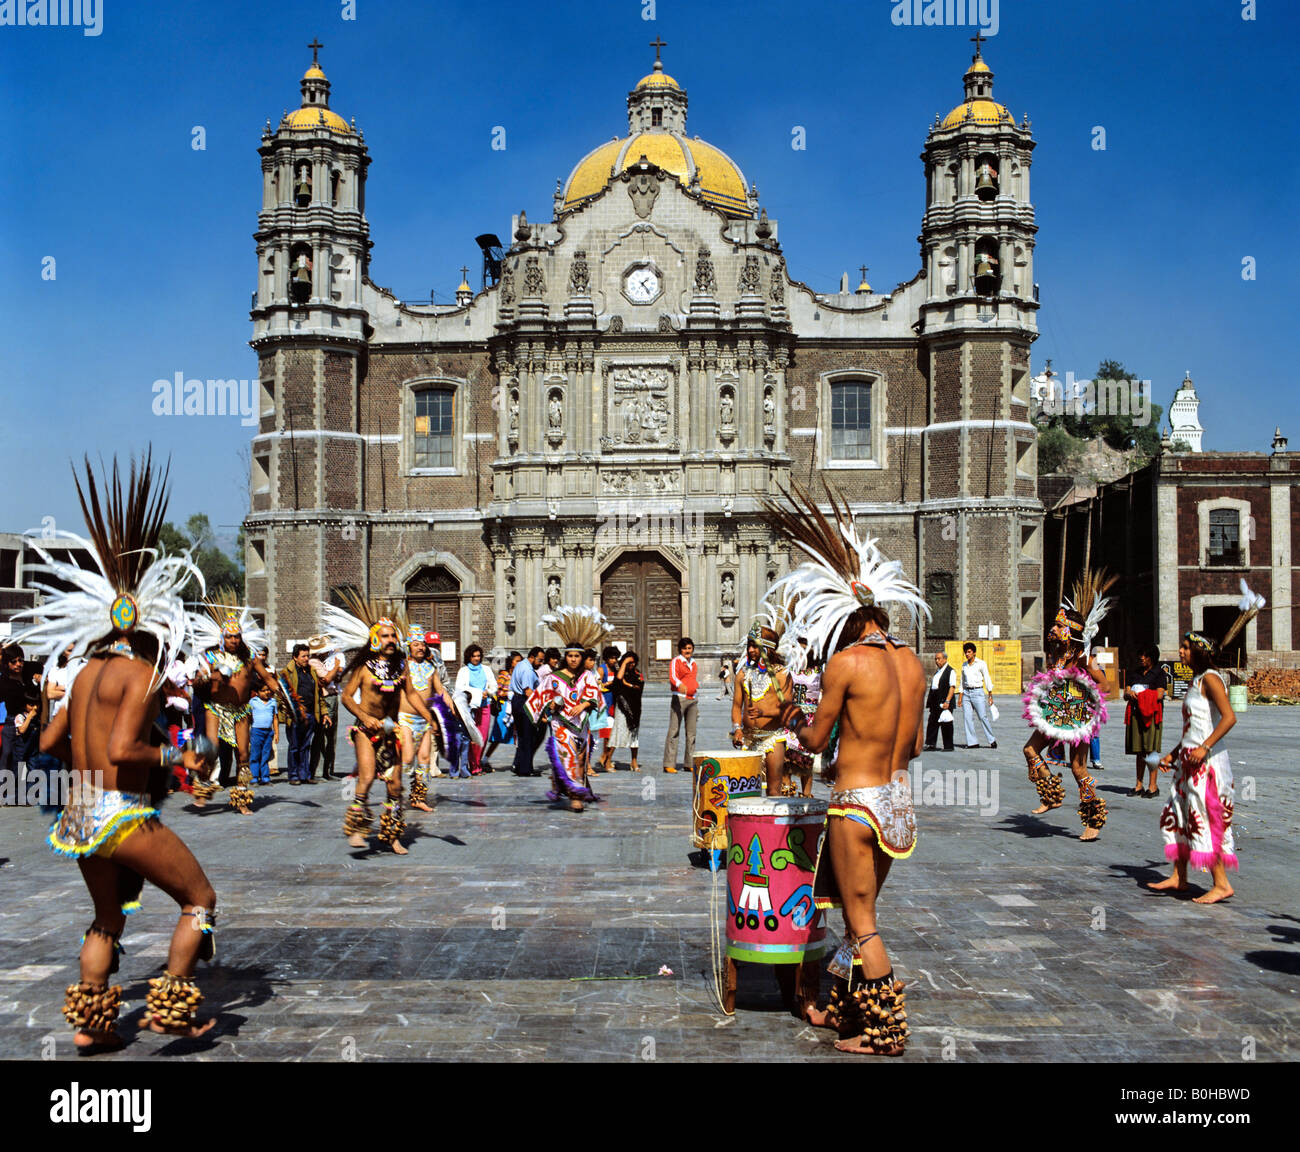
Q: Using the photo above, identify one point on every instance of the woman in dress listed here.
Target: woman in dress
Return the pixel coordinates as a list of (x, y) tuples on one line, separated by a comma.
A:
[(503, 728), (628, 686), (1197, 820), (1144, 716)]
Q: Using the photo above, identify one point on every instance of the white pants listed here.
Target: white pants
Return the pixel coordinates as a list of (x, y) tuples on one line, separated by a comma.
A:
[(975, 703)]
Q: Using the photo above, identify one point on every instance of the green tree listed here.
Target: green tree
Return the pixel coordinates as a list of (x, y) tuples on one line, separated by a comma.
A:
[(1057, 450), (219, 571)]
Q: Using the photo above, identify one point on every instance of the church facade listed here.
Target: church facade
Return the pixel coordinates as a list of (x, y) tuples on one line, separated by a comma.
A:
[(600, 424)]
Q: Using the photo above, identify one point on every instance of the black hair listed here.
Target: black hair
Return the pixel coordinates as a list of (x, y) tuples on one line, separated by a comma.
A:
[(681, 644), (969, 646), (536, 650), (552, 655), (299, 648), (469, 652), (1151, 652), (610, 653)]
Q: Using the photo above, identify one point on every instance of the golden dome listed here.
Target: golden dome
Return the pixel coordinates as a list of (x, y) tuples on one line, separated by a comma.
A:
[(658, 80), (978, 112), (720, 180), (307, 118), (314, 73), (978, 66)]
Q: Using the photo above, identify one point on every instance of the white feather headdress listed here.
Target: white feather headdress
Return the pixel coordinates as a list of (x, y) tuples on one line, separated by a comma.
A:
[(1090, 603), (578, 627), (844, 572), (133, 587), (209, 628), (356, 625)]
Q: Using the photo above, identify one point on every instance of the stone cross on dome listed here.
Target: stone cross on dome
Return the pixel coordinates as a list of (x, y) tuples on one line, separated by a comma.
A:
[(315, 47), (657, 44), (977, 39)]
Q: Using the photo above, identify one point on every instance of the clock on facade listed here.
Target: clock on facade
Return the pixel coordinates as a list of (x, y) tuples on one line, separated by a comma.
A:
[(641, 284)]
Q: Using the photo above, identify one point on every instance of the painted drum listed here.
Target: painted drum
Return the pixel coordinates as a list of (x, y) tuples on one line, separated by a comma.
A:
[(719, 776), (770, 864)]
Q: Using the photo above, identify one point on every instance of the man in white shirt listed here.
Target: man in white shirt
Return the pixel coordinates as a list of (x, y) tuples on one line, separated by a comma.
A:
[(974, 691)]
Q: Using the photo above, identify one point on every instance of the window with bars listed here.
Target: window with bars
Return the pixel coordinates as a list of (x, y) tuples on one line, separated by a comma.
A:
[(435, 412), (851, 421), (1225, 541)]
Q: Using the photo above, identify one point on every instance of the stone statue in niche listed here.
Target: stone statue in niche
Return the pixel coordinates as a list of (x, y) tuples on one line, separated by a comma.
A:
[(728, 590), (706, 283), (555, 412), (727, 409), (514, 413), (508, 285), (553, 593), (769, 410), (749, 276), (510, 595)]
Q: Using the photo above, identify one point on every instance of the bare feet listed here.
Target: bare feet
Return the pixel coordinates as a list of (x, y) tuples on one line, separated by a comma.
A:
[(864, 1046), (1090, 834), (818, 1017), (575, 806), (1043, 808), (91, 1042), (1214, 895), (189, 1031), (399, 848), (421, 805), (1168, 883), (357, 840)]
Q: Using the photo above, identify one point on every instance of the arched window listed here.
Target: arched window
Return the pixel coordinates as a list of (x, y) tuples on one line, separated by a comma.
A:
[(435, 413), (851, 420)]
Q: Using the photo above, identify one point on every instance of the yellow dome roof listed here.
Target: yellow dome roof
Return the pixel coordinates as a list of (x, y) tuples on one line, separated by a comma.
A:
[(978, 112), (978, 66), (314, 73), (306, 119), (720, 180), (658, 80)]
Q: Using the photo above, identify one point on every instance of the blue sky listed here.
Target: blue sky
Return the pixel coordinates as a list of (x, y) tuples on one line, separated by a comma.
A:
[(1139, 252)]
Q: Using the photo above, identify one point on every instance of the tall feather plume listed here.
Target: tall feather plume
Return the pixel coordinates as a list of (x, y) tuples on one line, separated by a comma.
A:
[(1090, 601), (349, 627), (842, 573), (124, 526), (578, 627), (1248, 607), (205, 627)]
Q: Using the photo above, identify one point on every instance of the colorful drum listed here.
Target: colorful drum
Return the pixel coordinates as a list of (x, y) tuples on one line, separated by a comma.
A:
[(770, 865), (718, 777)]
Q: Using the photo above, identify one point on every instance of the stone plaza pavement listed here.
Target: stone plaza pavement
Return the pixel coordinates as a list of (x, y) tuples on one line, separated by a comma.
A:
[(516, 932)]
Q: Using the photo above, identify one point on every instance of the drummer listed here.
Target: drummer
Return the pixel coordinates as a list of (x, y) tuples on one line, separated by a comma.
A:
[(763, 689)]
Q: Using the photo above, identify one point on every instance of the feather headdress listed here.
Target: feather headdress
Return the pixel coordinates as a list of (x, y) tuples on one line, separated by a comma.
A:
[(1089, 604), (357, 624), (843, 572), (133, 588), (576, 627), (1248, 607), (225, 616)]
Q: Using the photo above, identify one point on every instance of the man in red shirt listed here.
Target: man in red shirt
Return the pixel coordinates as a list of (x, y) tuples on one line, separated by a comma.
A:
[(684, 678)]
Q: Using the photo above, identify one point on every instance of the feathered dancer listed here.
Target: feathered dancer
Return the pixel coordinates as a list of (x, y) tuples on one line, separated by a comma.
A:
[(844, 572), (223, 616), (567, 694), (1089, 602), (124, 615)]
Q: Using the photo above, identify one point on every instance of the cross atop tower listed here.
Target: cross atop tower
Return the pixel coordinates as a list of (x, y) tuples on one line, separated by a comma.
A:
[(657, 44), (315, 47), (464, 273), (977, 39), (864, 270)]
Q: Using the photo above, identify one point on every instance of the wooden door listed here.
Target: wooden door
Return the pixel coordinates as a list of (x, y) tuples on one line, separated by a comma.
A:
[(642, 598)]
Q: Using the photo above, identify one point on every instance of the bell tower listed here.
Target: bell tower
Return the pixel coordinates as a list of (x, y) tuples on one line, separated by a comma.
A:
[(981, 519), (309, 330)]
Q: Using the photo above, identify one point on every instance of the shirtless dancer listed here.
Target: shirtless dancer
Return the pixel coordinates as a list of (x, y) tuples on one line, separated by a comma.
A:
[(763, 689), (107, 734), (869, 722), (416, 733), (379, 671), (233, 673)]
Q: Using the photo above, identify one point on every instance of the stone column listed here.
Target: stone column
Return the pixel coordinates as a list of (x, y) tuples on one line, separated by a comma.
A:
[(1279, 517)]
